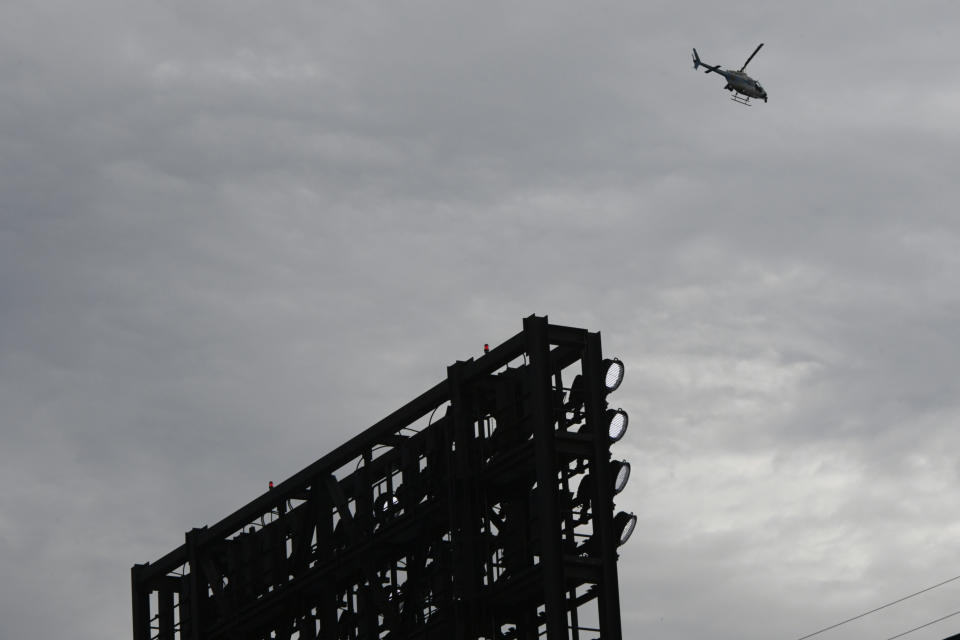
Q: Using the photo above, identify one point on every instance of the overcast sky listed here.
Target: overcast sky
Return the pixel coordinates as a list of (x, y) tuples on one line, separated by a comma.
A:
[(234, 234)]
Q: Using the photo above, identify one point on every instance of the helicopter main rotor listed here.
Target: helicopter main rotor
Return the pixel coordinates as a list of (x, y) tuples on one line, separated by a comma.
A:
[(751, 57)]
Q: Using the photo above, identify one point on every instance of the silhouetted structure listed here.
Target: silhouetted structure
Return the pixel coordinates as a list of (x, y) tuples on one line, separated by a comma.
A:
[(481, 509)]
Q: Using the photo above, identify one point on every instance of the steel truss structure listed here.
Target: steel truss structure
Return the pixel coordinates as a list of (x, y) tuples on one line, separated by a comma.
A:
[(483, 509)]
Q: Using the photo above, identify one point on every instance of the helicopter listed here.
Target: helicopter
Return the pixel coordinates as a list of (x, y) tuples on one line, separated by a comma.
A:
[(737, 81)]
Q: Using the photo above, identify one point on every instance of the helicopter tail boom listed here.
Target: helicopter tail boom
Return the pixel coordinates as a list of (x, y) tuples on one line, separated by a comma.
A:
[(697, 63)]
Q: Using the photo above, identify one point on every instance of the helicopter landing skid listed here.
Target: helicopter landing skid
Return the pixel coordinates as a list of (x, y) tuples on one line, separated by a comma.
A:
[(740, 100)]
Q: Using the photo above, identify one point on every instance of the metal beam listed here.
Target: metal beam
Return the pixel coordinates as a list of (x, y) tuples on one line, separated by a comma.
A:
[(545, 454)]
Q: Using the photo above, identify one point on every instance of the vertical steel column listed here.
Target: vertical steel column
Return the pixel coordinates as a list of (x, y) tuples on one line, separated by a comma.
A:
[(141, 604), (464, 510), (165, 605), (327, 605), (197, 588), (545, 456), (609, 596)]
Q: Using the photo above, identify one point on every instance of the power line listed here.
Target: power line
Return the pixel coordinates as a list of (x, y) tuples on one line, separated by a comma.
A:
[(949, 615), (889, 604)]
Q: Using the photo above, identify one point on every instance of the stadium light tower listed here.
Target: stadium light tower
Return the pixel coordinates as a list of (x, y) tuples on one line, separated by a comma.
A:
[(481, 510)]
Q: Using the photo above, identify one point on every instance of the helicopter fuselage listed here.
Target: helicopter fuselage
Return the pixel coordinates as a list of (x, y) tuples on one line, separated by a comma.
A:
[(742, 83)]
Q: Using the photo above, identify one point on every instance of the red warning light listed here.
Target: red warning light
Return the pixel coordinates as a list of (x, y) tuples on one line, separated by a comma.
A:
[(271, 484), (486, 348)]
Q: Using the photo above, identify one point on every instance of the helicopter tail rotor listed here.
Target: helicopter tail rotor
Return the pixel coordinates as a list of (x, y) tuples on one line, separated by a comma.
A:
[(697, 63)]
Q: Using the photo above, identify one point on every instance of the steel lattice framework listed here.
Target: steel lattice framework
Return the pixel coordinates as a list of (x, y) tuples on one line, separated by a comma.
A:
[(481, 509)]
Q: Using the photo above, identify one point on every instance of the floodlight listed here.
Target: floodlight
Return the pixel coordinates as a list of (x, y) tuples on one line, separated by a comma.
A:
[(410, 492), (624, 523), (614, 374), (385, 503), (575, 399), (616, 423), (585, 490), (621, 474)]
